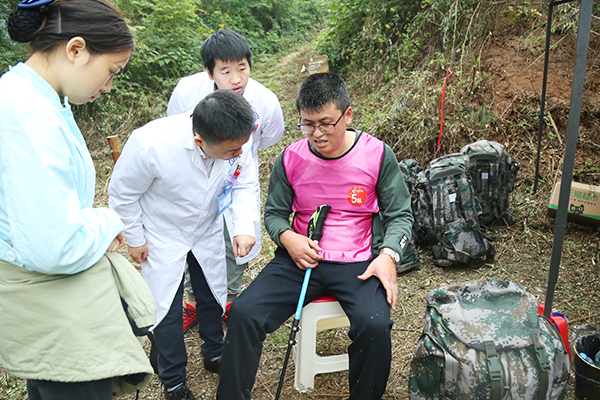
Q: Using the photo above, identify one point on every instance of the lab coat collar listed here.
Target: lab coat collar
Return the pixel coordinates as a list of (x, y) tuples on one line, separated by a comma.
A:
[(188, 142), (40, 83), (250, 90), (198, 157), (196, 153)]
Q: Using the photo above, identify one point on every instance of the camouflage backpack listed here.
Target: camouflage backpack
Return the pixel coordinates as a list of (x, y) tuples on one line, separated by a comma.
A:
[(451, 207), (493, 174), (410, 258), (485, 340)]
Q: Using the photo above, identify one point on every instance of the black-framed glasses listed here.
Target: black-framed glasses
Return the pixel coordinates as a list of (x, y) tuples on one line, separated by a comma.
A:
[(327, 129)]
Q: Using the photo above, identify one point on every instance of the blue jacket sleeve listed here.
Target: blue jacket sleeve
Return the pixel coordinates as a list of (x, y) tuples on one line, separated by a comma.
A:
[(46, 174)]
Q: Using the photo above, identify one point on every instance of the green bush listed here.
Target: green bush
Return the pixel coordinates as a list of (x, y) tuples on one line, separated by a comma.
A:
[(168, 35), (363, 34), (269, 25), (12, 52)]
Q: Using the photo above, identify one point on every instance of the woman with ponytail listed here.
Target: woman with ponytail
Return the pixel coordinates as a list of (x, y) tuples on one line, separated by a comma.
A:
[(62, 323)]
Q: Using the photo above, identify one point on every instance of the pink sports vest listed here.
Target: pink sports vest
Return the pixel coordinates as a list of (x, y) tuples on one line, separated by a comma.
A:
[(347, 184)]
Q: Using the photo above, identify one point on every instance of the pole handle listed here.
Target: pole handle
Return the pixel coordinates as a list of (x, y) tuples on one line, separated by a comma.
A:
[(315, 225)]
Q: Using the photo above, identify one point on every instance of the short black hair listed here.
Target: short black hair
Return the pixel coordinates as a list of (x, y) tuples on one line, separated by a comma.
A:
[(225, 45), (223, 115), (318, 90)]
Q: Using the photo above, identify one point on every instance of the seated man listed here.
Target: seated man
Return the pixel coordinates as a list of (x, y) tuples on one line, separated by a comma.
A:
[(363, 238)]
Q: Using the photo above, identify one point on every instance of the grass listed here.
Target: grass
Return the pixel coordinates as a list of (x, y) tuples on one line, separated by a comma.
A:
[(11, 387)]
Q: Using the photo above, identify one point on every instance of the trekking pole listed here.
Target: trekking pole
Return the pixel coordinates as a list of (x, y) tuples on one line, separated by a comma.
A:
[(315, 232)]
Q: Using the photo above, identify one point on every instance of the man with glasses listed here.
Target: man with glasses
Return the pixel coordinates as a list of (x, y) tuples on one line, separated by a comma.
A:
[(363, 238)]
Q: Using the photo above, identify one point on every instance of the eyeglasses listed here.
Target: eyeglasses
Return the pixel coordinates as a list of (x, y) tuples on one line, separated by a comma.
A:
[(328, 129)]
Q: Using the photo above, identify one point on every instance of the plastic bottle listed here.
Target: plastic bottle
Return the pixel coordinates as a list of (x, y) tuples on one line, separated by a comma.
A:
[(586, 358), (597, 359)]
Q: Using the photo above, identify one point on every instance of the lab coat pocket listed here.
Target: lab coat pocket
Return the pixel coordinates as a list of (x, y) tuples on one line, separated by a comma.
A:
[(171, 230)]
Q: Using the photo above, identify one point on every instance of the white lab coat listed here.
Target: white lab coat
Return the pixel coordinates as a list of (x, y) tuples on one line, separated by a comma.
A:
[(162, 192), (268, 130)]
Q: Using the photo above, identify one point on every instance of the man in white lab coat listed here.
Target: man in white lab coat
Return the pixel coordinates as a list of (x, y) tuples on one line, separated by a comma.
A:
[(227, 58), (170, 186)]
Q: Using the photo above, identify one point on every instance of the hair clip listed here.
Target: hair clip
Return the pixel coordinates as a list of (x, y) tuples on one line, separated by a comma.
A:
[(35, 4)]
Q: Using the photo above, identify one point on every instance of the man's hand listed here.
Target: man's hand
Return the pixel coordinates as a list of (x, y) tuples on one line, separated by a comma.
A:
[(242, 245), (302, 249), (384, 268), (117, 242), (139, 254)]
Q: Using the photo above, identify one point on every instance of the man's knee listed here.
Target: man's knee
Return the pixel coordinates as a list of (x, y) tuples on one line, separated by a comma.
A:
[(376, 327), (240, 311)]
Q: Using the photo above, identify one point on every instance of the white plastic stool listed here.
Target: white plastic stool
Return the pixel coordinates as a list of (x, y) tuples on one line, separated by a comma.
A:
[(321, 314)]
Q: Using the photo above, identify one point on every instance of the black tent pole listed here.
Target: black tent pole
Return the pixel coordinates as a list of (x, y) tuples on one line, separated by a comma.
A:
[(541, 122), (583, 38), (543, 100)]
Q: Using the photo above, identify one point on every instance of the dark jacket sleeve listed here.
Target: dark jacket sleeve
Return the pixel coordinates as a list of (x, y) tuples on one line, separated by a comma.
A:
[(280, 198), (394, 206)]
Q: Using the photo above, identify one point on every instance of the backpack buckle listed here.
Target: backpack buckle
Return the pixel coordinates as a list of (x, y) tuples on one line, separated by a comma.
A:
[(494, 368), (540, 353), (493, 362)]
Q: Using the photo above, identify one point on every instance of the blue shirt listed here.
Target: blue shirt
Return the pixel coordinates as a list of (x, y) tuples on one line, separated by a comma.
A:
[(47, 182)]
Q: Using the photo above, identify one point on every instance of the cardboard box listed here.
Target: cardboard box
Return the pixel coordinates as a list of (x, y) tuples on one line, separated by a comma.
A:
[(584, 203)]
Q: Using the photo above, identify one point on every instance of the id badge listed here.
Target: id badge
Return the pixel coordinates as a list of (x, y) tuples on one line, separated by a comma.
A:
[(225, 199)]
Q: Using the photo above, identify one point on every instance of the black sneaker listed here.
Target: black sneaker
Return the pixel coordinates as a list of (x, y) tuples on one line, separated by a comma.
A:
[(181, 393), (213, 365)]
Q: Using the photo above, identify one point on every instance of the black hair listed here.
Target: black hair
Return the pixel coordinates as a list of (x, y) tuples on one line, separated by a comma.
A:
[(223, 115), (318, 90), (227, 46), (98, 22)]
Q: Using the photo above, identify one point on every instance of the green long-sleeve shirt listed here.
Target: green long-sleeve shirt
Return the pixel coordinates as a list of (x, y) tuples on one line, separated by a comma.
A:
[(391, 226)]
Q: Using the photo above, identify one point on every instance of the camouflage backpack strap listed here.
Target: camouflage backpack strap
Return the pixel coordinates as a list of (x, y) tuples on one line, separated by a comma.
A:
[(513, 169), (494, 369), (460, 211), (500, 207), (438, 221), (503, 172), (544, 364), (452, 366)]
